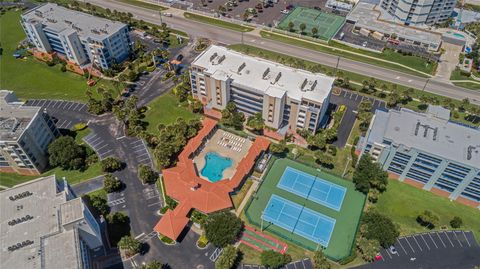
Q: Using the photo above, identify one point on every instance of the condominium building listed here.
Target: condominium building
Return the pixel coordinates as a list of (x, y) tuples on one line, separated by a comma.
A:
[(43, 225), (428, 151), (25, 133), (82, 38), (287, 98), (418, 12)]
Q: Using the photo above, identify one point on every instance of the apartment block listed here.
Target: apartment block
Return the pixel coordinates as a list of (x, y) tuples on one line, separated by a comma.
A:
[(82, 38), (43, 225), (287, 98), (419, 12), (427, 150), (25, 133)]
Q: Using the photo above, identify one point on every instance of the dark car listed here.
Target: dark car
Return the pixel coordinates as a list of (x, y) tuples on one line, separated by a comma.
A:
[(179, 57)]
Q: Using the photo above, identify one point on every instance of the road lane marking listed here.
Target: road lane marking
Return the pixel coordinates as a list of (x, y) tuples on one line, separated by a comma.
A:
[(409, 244), (441, 240), (425, 242), (398, 240), (457, 239), (448, 239), (466, 238), (417, 243)]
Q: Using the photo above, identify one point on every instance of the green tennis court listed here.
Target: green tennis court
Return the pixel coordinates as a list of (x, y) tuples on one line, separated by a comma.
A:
[(326, 24), (346, 219)]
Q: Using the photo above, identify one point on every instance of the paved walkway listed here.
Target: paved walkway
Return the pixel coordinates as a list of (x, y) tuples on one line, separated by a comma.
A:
[(247, 197), (448, 61)]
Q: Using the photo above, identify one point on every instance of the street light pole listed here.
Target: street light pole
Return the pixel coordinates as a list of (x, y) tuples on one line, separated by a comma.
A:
[(336, 67), (160, 13), (242, 38), (426, 82)]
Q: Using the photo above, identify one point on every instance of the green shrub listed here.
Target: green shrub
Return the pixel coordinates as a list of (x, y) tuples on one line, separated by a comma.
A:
[(456, 222), (151, 68), (202, 241), (79, 126)]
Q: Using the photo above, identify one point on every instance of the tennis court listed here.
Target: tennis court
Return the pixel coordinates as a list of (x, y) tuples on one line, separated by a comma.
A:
[(327, 24), (315, 225), (298, 219), (312, 188)]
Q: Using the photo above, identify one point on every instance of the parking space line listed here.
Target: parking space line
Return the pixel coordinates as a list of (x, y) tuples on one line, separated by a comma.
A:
[(137, 146), (441, 240), (417, 243), (105, 153), (142, 155), (458, 239), (146, 159), (75, 107), (47, 103), (71, 104), (83, 107), (425, 241), (96, 140), (33, 102), (98, 149), (139, 150), (448, 239), (409, 244), (386, 250), (54, 103), (431, 238), (466, 238), (80, 107), (89, 138), (398, 240), (42, 102), (65, 106)]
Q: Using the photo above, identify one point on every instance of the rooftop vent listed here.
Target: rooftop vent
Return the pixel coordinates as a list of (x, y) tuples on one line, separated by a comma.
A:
[(313, 85), (265, 73), (221, 59), (470, 150), (51, 20), (304, 83), (240, 68), (20, 245), (19, 220), (214, 55), (20, 196), (68, 22), (277, 78), (39, 13), (95, 31)]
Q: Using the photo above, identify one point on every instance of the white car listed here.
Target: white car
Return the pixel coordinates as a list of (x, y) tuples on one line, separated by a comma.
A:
[(364, 44), (285, 11), (166, 14)]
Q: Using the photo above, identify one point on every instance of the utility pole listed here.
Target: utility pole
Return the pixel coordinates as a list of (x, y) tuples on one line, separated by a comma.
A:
[(242, 38), (426, 82), (336, 67), (160, 13)]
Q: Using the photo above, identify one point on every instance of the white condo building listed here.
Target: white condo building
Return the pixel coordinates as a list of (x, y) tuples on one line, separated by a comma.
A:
[(287, 98), (43, 225), (82, 38), (418, 12)]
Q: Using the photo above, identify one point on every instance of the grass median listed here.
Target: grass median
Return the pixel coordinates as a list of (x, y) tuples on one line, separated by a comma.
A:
[(419, 65), (218, 22)]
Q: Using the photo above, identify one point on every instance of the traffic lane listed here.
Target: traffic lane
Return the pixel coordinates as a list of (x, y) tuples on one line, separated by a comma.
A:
[(445, 249), (88, 186)]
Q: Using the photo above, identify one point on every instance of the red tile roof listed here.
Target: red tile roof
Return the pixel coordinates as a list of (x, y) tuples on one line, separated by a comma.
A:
[(184, 185)]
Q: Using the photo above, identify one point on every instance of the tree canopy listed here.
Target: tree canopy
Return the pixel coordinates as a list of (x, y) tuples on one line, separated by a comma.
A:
[(274, 260), (111, 183), (228, 258), (376, 226), (222, 228), (231, 117), (146, 174), (66, 153), (256, 122), (369, 174), (320, 261), (131, 245), (110, 164)]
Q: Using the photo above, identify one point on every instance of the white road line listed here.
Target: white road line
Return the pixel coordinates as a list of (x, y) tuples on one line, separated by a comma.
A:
[(75, 106), (96, 140), (71, 104), (388, 254), (98, 149), (431, 238), (441, 240), (47, 103), (146, 159), (135, 142), (55, 103), (33, 103), (83, 107), (466, 238), (121, 137), (448, 239), (425, 242), (65, 105), (154, 204), (137, 146), (417, 243), (98, 144), (138, 150), (140, 235), (458, 239), (409, 244), (398, 240)]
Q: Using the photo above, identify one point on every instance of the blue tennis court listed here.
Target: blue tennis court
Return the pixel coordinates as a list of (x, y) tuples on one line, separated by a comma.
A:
[(312, 188), (299, 220)]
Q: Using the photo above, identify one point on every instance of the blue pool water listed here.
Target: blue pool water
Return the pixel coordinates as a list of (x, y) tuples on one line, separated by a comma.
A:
[(214, 166)]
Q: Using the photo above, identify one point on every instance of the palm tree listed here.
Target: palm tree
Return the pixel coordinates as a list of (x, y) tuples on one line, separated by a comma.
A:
[(290, 26), (314, 31), (302, 28)]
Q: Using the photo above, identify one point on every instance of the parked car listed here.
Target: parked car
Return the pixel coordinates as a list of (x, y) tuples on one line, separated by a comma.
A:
[(290, 7), (259, 6), (342, 34), (317, 8), (166, 14), (364, 44), (285, 11)]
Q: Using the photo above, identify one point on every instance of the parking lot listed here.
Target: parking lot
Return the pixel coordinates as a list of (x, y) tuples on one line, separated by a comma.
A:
[(138, 151), (101, 146), (58, 105), (351, 100), (443, 249), (301, 264), (357, 39), (65, 114)]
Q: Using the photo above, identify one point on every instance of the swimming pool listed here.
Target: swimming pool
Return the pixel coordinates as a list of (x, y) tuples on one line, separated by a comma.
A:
[(215, 164)]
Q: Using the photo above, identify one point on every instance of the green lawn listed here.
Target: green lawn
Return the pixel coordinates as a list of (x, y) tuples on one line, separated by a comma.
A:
[(403, 203), (468, 85), (143, 4), (166, 109), (414, 62), (347, 218), (218, 22), (31, 78), (238, 197)]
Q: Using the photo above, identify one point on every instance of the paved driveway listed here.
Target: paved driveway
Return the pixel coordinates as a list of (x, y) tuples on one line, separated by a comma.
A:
[(301, 264), (65, 113), (445, 249)]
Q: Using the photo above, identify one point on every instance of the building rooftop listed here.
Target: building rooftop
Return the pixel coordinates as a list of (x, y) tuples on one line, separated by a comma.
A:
[(429, 132), (367, 15), (262, 75), (14, 118), (30, 215), (59, 19)]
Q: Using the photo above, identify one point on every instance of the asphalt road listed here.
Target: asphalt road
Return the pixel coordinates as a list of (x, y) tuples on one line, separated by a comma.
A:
[(225, 36)]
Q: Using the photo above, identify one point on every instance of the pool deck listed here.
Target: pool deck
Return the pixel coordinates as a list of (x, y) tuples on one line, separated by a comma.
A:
[(212, 146)]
